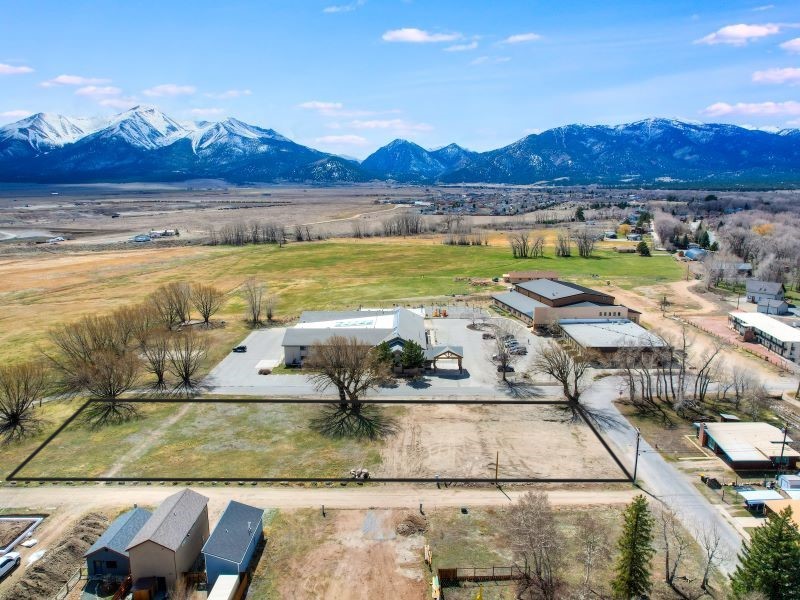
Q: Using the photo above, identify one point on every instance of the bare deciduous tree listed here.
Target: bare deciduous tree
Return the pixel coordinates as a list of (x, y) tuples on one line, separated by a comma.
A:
[(674, 542), (585, 240), (156, 350), (254, 293), (353, 368), (567, 368), (186, 355), (107, 378), (710, 541), (563, 244), (520, 244), (531, 526), (207, 300), (592, 546), (21, 387), (503, 355), (172, 303)]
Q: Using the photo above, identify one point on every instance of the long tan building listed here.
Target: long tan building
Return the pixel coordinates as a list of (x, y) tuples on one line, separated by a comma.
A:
[(545, 302)]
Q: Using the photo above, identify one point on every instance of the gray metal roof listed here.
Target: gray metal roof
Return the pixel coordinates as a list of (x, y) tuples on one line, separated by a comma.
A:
[(235, 529), (771, 302), (764, 287), (120, 533), (518, 302), (604, 333), (406, 325), (435, 351), (172, 520), (557, 290)]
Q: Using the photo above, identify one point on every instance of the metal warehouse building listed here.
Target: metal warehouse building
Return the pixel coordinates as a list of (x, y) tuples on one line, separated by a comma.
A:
[(394, 326)]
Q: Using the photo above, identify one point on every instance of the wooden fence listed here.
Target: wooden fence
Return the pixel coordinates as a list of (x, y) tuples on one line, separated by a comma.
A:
[(73, 581), (456, 575)]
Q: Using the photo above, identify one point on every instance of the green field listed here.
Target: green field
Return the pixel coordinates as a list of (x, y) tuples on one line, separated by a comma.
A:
[(41, 291), (222, 439)]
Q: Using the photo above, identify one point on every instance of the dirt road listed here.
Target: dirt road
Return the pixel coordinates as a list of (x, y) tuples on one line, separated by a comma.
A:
[(100, 497)]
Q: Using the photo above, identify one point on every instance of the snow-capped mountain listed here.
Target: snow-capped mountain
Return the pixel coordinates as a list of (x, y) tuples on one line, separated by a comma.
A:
[(144, 144)]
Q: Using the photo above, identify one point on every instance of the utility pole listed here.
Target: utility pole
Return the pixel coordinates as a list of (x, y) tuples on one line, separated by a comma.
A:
[(636, 459), (783, 446), (496, 467)]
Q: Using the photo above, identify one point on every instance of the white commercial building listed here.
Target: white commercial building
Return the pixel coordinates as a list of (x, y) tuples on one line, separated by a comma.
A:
[(775, 335)]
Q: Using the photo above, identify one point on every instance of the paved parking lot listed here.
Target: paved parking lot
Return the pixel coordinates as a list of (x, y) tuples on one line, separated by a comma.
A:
[(236, 374)]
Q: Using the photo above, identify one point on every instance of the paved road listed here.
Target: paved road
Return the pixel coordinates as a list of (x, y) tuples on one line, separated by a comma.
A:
[(660, 479)]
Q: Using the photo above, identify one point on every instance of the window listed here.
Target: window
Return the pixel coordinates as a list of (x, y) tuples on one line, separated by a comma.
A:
[(111, 564)]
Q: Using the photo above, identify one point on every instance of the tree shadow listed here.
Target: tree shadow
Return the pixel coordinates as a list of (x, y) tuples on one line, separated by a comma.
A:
[(521, 390), (367, 422), (100, 413), (419, 383)]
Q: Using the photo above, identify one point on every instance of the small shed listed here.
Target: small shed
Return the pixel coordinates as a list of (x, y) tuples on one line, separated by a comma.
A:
[(789, 482), (695, 254), (234, 540), (755, 499), (108, 556)]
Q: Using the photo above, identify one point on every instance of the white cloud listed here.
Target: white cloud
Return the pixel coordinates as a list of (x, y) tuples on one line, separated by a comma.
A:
[(73, 80), (412, 35), (792, 45), (118, 103), (394, 124), (340, 8), (793, 123), (462, 47), (789, 75), (228, 94), (15, 114), (758, 109), (763, 7), (321, 106), (490, 60), (206, 112), (531, 131), (348, 139), (740, 34), (170, 89), (14, 70), (95, 91), (521, 38)]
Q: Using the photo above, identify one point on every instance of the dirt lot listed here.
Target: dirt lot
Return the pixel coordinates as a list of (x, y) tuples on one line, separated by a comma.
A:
[(11, 530), (63, 537), (464, 441), (348, 554)]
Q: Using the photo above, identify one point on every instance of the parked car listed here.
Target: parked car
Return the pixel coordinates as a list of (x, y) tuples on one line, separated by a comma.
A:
[(518, 350), (8, 563), (511, 344), (488, 336), (240, 349), (507, 369)]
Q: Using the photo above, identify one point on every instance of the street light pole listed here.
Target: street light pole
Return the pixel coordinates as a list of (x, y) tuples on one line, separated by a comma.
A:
[(636, 458)]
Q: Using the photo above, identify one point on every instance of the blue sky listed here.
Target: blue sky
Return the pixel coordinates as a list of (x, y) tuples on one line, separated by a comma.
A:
[(350, 75)]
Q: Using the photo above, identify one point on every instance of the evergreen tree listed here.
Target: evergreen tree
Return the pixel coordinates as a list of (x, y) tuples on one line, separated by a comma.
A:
[(684, 241), (770, 562), (413, 356), (643, 249), (635, 547), (384, 354), (714, 247), (704, 240), (579, 216)]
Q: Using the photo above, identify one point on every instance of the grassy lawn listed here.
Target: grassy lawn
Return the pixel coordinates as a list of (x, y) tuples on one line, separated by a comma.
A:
[(42, 291), (205, 440)]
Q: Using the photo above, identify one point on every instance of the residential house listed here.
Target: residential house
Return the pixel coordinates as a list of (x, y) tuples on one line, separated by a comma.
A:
[(108, 556), (170, 542), (764, 290), (230, 548)]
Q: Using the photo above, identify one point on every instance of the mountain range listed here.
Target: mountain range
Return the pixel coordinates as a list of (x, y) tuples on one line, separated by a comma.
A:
[(144, 144)]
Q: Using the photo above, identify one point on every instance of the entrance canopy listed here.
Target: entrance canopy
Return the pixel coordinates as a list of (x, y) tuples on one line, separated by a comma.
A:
[(436, 353)]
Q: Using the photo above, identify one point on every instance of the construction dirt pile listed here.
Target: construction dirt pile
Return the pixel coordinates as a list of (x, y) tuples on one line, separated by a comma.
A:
[(42, 580), (412, 524)]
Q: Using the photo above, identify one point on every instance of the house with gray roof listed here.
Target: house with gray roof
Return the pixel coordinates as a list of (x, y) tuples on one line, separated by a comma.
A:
[(395, 326), (169, 543), (233, 542), (108, 556), (764, 290), (773, 307)]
